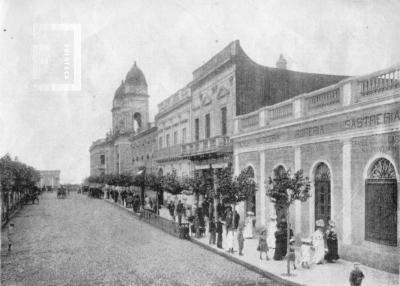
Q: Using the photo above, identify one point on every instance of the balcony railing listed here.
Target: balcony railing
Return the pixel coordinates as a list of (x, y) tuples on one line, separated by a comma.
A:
[(281, 112), (249, 121), (379, 85), (324, 99), (381, 82), (168, 153), (214, 144)]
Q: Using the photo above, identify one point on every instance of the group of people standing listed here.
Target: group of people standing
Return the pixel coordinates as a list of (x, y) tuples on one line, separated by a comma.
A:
[(303, 252)]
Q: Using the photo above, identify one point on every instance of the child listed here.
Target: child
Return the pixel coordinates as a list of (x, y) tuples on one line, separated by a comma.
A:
[(262, 244), (291, 255), (10, 235), (240, 239), (356, 276), (305, 251)]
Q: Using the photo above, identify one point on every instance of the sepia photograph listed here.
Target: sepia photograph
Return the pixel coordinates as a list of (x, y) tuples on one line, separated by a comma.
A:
[(203, 142)]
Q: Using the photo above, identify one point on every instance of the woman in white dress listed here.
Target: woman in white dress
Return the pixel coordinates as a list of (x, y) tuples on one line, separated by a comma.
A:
[(248, 228), (230, 237), (318, 242)]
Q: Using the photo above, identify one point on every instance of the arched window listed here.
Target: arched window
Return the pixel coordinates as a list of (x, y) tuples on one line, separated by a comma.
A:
[(137, 121), (322, 198), (381, 203)]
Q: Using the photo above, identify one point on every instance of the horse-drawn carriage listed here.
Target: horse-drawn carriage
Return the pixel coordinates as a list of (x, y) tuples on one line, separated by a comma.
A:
[(31, 196), (61, 193)]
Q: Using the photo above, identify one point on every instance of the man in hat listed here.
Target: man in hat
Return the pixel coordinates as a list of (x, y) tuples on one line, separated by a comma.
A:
[(219, 233), (356, 275)]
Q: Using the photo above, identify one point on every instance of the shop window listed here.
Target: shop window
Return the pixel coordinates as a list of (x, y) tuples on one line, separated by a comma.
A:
[(322, 186), (381, 203)]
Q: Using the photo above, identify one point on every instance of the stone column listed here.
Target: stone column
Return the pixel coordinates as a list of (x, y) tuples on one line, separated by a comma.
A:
[(262, 189), (297, 203), (347, 192)]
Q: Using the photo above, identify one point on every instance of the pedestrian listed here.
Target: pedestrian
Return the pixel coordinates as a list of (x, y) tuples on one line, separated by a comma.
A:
[(171, 208), (332, 243), (228, 219), (291, 256), (220, 209), (262, 244), (219, 233), (240, 239), (318, 242), (10, 235), (236, 219), (230, 238), (180, 210), (212, 228), (356, 275), (280, 242), (305, 252)]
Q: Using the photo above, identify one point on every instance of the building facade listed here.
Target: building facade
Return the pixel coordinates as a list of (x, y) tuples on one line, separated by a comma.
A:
[(231, 84), (173, 123), (115, 153), (346, 139), (142, 148), (50, 178)]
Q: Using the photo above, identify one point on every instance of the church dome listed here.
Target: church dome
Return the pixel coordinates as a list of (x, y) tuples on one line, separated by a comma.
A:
[(120, 90), (135, 78)]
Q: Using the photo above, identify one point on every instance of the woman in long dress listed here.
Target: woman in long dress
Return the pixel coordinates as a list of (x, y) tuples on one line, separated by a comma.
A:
[(248, 228), (318, 242), (230, 237), (280, 241), (332, 243)]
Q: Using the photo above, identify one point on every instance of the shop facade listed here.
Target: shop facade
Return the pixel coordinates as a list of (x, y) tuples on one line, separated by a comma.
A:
[(346, 139)]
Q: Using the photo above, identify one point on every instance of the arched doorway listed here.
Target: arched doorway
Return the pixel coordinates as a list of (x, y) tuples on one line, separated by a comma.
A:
[(322, 198), (251, 200), (381, 203)]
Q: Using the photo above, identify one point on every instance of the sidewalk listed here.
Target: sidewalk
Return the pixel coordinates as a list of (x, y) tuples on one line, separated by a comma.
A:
[(327, 274)]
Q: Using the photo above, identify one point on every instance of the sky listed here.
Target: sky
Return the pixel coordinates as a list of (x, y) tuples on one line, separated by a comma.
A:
[(168, 39)]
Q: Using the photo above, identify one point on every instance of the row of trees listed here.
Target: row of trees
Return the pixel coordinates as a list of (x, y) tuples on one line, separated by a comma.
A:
[(16, 179)]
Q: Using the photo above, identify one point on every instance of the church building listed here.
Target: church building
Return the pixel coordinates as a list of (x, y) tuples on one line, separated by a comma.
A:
[(117, 153)]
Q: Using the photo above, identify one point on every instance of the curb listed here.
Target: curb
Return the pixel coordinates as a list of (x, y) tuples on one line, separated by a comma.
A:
[(3, 224), (249, 266)]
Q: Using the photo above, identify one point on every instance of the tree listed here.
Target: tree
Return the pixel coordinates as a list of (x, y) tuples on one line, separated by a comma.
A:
[(197, 185), (283, 190), (155, 182), (173, 184), (234, 189), (277, 189)]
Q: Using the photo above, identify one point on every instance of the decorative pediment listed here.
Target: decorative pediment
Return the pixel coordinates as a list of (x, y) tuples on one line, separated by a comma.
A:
[(206, 99), (223, 91)]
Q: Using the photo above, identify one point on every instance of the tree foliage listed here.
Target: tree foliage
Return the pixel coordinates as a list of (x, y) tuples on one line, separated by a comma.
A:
[(173, 184), (16, 176), (234, 189), (285, 188)]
